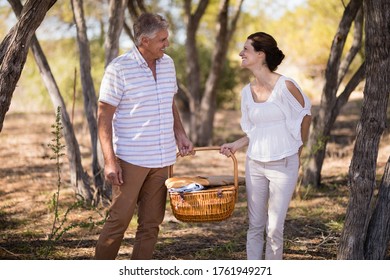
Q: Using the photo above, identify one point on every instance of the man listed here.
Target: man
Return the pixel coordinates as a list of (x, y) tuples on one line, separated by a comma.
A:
[(139, 127)]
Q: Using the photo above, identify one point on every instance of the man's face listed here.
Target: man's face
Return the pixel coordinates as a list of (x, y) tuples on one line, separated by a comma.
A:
[(156, 45)]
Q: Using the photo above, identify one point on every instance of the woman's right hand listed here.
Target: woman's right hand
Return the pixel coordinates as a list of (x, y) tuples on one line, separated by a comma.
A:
[(228, 149)]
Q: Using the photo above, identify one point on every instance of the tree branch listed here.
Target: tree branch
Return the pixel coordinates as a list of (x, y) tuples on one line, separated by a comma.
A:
[(16, 50), (356, 46)]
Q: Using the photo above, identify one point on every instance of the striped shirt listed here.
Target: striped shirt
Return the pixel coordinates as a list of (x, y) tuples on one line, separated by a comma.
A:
[(143, 121)]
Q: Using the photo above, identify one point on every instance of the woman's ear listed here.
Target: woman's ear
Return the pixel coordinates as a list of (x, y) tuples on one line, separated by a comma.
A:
[(261, 53)]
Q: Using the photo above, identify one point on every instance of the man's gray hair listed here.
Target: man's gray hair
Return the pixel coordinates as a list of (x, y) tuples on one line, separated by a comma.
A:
[(147, 25)]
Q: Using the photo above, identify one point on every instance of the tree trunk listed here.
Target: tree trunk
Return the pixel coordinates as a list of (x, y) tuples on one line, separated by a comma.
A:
[(378, 235), (79, 178), (362, 177), (203, 105), (330, 105), (16, 49), (193, 68), (209, 100), (90, 99), (135, 8), (116, 22)]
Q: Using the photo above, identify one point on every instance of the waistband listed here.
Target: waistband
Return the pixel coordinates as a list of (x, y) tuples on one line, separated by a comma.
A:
[(283, 161)]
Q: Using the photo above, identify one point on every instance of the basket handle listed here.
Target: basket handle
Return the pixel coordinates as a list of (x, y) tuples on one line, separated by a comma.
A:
[(215, 148)]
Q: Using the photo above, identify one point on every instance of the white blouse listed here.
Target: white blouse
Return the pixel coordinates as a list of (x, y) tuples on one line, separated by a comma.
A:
[(274, 126)]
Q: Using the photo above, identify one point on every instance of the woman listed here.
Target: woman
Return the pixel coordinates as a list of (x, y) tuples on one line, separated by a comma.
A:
[(276, 119)]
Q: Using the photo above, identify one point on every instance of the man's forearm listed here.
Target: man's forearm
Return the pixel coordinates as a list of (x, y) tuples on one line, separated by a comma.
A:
[(105, 115), (177, 124)]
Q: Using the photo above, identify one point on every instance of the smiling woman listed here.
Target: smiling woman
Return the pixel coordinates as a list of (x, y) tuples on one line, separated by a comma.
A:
[(276, 120)]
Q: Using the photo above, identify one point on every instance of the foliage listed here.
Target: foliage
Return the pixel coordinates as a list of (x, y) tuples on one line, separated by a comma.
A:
[(229, 78), (60, 224), (304, 33), (63, 65), (4, 18), (311, 27), (306, 37)]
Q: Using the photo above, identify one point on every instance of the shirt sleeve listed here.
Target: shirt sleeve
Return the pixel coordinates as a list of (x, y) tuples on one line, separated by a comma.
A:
[(246, 124), (112, 86), (176, 88), (293, 110), (171, 72)]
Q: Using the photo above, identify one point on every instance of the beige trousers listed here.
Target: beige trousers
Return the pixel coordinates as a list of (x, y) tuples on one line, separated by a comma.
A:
[(269, 187), (142, 187)]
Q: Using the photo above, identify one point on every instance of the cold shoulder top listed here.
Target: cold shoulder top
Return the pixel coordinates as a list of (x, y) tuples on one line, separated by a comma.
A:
[(274, 126)]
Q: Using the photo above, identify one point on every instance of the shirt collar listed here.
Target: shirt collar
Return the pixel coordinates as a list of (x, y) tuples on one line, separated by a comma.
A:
[(134, 53)]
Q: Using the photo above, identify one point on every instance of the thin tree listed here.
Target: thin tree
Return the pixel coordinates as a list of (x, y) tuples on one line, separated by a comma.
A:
[(203, 104), (111, 45), (116, 22), (90, 99), (193, 90), (365, 235), (331, 102), (14, 50), (135, 8), (79, 178), (378, 234), (115, 26)]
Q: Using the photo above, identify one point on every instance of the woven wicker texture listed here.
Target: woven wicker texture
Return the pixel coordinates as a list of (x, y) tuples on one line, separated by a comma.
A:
[(213, 204)]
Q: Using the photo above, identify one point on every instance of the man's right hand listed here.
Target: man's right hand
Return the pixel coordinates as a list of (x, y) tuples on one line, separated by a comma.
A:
[(113, 173)]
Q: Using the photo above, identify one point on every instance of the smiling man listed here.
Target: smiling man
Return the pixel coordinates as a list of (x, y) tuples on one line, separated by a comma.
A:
[(139, 127)]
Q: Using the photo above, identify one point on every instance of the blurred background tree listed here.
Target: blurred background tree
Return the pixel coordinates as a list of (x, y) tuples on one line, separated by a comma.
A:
[(304, 32)]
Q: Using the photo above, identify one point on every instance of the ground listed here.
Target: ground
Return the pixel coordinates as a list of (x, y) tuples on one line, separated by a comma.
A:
[(28, 180)]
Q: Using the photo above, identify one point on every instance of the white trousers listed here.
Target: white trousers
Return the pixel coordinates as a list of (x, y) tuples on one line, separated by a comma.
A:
[(269, 187)]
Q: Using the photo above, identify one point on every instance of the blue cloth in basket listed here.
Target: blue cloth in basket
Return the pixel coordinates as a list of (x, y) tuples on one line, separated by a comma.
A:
[(193, 187)]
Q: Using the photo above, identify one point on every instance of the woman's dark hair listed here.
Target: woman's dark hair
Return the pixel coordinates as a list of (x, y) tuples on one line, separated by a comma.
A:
[(266, 43)]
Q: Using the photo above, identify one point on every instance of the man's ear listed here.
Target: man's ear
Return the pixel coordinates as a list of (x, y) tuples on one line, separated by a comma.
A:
[(145, 41)]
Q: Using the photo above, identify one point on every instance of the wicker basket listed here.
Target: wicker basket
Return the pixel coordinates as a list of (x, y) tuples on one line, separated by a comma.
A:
[(212, 204)]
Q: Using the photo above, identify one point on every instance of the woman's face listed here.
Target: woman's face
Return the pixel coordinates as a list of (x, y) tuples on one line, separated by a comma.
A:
[(249, 56)]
